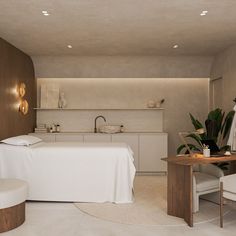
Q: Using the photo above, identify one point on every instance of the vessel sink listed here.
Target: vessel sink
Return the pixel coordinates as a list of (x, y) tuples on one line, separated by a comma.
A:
[(110, 129)]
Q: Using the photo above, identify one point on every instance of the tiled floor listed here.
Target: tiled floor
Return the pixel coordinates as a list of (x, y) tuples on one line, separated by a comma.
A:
[(64, 219)]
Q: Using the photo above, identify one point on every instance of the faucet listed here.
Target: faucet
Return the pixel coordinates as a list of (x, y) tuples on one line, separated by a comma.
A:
[(95, 122)]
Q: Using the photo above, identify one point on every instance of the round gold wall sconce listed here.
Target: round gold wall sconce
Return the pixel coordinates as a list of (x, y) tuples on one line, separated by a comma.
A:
[(22, 89), (24, 107)]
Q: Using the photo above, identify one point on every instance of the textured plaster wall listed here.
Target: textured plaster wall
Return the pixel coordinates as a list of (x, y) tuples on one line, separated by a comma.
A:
[(182, 95), (224, 65), (122, 67)]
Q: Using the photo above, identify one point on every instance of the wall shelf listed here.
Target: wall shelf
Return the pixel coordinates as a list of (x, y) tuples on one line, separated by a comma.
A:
[(89, 109)]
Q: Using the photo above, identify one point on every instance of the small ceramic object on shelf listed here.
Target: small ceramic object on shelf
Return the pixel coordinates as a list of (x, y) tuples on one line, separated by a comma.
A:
[(159, 103), (53, 128), (151, 104), (122, 129), (62, 101), (58, 128)]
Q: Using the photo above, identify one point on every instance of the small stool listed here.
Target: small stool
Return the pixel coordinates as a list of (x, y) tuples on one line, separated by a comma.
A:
[(13, 194)]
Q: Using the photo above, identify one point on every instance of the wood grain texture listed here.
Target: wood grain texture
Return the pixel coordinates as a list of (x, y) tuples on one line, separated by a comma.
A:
[(179, 193), (221, 204), (15, 67), (199, 160), (232, 167), (12, 217), (180, 183)]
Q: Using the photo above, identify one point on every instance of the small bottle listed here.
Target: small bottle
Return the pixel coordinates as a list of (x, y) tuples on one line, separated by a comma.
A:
[(122, 128), (53, 128), (58, 128)]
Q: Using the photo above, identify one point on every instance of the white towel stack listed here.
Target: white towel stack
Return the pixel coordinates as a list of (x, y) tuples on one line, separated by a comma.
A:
[(41, 128)]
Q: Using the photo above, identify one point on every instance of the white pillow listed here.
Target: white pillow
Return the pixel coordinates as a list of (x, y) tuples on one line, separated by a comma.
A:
[(22, 140)]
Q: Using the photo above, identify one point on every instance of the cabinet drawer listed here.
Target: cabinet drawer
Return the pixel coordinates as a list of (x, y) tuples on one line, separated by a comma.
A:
[(151, 149), (69, 138), (101, 138)]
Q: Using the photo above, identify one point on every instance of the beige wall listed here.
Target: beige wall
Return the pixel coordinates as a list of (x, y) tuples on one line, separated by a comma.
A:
[(122, 67), (224, 65), (181, 97)]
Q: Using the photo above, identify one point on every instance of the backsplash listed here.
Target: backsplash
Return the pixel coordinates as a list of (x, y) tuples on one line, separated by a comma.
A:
[(83, 120), (182, 95)]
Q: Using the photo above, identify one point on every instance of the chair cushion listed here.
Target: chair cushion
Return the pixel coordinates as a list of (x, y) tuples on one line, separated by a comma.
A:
[(196, 167), (12, 192), (229, 183), (229, 195), (205, 182)]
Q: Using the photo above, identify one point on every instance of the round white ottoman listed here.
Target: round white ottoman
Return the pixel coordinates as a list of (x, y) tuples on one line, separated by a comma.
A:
[(13, 193)]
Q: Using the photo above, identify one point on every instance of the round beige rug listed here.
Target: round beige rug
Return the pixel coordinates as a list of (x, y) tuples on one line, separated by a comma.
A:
[(149, 206)]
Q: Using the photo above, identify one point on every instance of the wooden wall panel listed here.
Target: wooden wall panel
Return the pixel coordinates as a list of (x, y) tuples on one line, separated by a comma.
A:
[(15, 67)]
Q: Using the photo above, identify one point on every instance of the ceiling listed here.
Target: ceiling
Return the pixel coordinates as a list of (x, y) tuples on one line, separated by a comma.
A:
[(119, 27)]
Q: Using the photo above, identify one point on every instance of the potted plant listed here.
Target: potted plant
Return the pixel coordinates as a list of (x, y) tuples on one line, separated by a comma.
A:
[(217, 127)]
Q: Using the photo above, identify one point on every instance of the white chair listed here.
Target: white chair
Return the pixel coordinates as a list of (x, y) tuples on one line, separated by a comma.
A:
[(227, 191), (206, 179)]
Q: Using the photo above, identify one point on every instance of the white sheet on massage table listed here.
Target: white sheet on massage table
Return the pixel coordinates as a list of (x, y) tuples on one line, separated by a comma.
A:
[(83, 172)]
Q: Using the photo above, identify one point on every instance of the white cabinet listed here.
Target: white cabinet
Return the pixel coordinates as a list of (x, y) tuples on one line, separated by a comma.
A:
[(132, 141), (94, 138), (45, 137), (152, 147), (69, 137)]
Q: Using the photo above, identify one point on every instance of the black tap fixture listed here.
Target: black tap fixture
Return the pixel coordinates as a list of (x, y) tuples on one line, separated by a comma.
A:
[(95, 122)]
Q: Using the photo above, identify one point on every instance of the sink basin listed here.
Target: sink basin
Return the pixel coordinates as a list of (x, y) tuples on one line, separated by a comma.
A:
[(110, 129)]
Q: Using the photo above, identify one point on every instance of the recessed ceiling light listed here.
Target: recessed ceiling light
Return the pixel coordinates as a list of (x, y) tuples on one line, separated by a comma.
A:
[(175, 46), (203, 13), (69, 46), (45, 13)]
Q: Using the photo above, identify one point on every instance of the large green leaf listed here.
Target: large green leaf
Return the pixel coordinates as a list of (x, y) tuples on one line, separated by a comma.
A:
[(215, 114), (191, 146), (214, 123), (211, 129), (180, 148), (227, 124), (217, 128), (196, 123), (195, 137), (225, 148)]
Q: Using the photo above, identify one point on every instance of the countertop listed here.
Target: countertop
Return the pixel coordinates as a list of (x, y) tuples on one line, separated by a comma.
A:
[(89, 132)]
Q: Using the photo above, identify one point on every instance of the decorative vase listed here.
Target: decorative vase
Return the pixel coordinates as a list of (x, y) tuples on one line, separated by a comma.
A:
[(151, 104), (62, 101)]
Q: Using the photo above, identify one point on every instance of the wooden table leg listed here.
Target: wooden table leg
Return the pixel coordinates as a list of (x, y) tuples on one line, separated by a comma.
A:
[(179, 192), (232, 167)]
